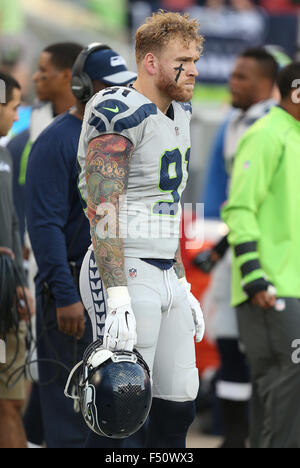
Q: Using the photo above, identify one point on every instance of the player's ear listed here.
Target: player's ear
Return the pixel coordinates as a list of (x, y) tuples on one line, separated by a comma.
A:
[(151, 63), (66, 75)]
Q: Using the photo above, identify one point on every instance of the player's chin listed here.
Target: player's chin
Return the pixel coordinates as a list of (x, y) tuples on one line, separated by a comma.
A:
[(180, 93), (42, 96), (186, 95)]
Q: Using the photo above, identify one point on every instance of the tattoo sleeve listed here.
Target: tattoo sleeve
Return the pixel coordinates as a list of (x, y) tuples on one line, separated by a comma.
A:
[(107, 172), (178, 266)]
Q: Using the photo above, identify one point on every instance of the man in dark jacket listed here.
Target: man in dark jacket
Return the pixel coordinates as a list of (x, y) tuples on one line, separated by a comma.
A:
[(60, 236), (12, 348)]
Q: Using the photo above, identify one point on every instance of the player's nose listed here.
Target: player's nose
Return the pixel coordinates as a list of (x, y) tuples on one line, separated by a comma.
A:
[(193, 70)]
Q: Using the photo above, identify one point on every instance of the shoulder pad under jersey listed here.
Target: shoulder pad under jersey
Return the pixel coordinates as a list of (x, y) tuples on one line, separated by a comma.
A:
[(119, 110), (187, 107)]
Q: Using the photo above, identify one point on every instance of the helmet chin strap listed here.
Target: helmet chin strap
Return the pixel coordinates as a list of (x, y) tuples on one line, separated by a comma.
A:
[(72, 395), (101, 378)]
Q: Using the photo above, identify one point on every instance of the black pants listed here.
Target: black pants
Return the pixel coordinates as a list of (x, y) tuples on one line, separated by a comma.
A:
[(234, 369), (268, 336)]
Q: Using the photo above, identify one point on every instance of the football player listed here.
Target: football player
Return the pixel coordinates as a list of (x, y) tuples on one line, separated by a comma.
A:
[(134, 155)]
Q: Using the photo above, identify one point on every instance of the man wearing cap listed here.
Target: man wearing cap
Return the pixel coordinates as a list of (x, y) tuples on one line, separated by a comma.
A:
[(60, 236)]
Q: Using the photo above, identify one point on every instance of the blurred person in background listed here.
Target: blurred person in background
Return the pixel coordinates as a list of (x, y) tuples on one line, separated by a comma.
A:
[(52, 83), (60, 236), (251, 86), (8, 65), (12, 434), (263, 221), (15, 57), (52, 87)]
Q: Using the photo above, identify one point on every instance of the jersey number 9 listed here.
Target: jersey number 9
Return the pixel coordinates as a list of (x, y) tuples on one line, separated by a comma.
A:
[(171, 179)]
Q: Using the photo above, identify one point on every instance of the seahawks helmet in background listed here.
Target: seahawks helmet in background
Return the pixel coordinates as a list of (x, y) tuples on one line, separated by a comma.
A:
[(113, 390)]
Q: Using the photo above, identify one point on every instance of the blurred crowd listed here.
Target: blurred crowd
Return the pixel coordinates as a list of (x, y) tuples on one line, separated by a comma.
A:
[(229, 26), (274, 6)]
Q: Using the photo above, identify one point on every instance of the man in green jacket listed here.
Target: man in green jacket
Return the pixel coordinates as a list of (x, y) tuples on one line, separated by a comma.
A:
[(263, 217)]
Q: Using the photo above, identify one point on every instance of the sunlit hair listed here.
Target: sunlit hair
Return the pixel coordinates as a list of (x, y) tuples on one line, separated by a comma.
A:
[(161, 28)]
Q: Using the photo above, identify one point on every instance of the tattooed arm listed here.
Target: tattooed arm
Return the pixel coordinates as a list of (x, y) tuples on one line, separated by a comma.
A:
[(107, 171), (178, 267)]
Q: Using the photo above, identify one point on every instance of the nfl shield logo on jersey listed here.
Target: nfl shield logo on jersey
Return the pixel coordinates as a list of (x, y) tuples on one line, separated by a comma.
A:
[(132, 273)]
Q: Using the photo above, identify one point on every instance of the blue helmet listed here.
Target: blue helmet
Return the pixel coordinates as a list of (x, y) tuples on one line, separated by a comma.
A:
[(114, 391)]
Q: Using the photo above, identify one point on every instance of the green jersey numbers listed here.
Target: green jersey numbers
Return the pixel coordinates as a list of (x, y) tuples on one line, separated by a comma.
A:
[(173, 176)]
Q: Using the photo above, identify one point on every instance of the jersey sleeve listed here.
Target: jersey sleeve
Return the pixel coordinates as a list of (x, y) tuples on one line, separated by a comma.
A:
[(118, 111)]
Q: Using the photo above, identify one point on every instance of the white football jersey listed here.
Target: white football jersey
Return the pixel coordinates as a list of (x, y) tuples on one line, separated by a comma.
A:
[(150, 213)]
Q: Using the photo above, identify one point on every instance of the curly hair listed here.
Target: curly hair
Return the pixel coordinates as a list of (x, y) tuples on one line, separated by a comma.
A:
[(162, 27)]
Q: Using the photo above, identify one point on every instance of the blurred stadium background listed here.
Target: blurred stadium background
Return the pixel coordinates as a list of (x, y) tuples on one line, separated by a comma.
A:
[(229, 26)]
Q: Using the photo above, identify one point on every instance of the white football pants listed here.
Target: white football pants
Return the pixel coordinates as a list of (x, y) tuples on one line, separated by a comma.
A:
[(165, 326)]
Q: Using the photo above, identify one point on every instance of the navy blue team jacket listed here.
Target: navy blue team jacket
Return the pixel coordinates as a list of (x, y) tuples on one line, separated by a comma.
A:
[(16, 148), (58, 229)]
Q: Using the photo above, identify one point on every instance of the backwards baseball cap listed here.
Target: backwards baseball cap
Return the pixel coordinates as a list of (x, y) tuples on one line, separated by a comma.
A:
[(109, 67)]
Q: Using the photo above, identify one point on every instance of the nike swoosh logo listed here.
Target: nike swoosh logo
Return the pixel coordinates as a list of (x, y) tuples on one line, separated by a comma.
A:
[(115, 110)]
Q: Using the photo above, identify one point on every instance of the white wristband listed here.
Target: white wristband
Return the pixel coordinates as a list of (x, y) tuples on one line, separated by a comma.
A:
[(117, 297)]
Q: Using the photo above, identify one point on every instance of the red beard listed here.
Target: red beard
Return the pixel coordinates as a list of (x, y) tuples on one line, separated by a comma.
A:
[(172, 89)]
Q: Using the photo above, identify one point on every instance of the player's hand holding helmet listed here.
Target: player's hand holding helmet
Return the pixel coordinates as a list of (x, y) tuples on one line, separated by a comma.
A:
[(120, 324), (196, 311)]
